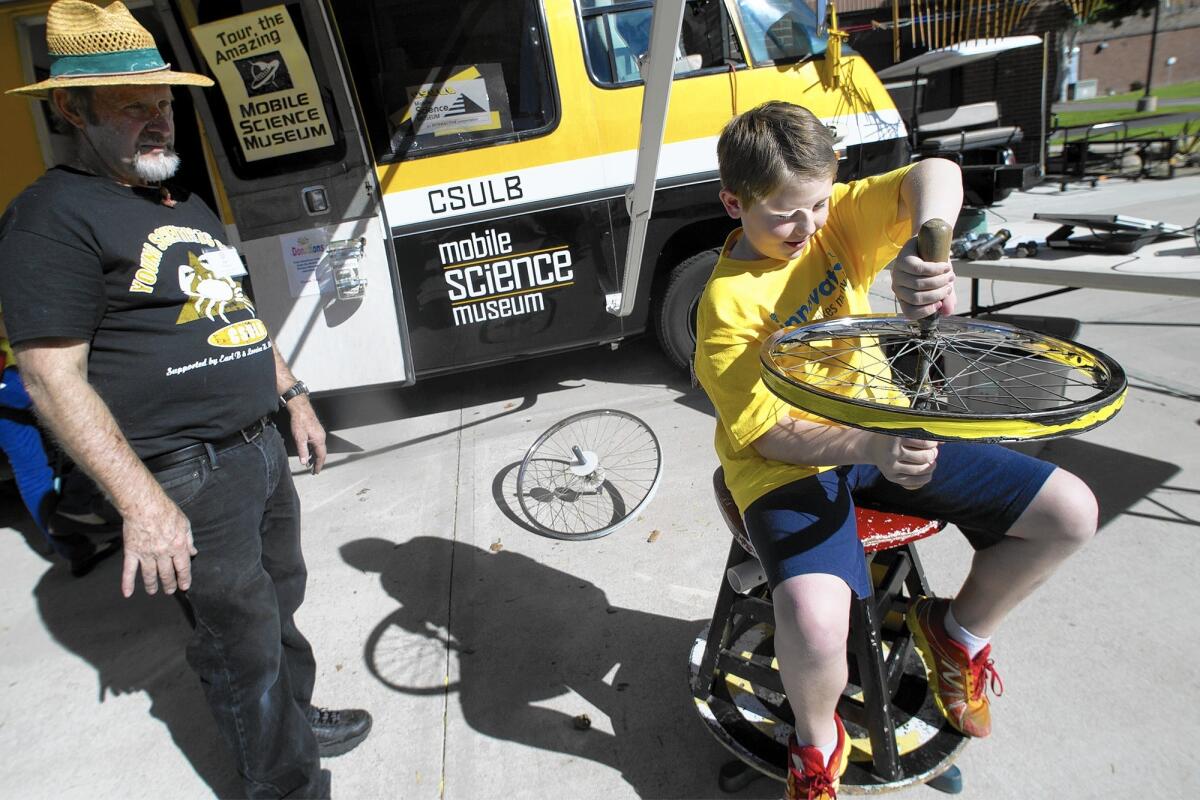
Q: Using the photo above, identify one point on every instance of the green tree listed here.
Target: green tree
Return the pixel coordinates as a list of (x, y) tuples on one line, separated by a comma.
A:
[(1116, 11)]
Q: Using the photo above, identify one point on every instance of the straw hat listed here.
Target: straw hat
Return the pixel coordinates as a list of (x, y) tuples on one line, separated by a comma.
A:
[(93, 46)]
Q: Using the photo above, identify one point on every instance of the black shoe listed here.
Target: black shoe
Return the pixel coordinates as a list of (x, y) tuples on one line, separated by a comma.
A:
[(338, 731), (83, 552), (82, 566)]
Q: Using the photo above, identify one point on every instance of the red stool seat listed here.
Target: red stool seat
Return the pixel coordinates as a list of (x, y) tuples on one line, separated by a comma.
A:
[(877, 530)]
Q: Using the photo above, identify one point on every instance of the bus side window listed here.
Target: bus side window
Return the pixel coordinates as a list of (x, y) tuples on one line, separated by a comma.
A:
[(617, 36), (435, 76), (708, 34)]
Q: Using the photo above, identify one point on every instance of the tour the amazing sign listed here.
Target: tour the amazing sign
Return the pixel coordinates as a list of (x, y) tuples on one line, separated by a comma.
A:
[(268, 83)]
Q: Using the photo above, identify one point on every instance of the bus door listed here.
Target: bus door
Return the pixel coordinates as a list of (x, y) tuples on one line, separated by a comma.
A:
[(299, 185), (479, 117)]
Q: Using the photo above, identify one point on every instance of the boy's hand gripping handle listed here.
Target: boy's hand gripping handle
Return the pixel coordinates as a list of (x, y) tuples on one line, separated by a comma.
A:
[(933, 244)]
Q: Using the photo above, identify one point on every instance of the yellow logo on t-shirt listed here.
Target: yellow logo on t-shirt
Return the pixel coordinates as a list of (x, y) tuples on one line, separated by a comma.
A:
[(239, 333)]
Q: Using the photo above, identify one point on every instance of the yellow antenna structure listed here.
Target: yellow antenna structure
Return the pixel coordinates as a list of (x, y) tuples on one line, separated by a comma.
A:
[(833, 53)]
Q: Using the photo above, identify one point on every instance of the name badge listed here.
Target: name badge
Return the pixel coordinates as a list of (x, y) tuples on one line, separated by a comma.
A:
[(224, 262)]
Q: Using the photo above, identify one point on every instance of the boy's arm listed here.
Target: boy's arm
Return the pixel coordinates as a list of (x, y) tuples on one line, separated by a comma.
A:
[(932, 189), (905, 462)]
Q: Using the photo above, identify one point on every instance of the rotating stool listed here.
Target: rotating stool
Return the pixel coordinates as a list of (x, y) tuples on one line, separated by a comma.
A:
[(897, 734)]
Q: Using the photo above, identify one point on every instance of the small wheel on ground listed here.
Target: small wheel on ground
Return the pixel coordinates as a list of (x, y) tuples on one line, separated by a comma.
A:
[(676, 324), (589, 474)]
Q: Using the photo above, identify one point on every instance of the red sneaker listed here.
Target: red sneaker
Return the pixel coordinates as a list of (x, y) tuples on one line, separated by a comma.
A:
[(958, 681), (809, 778)]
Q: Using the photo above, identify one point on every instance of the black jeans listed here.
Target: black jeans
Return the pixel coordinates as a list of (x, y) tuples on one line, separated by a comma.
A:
[(248, 579)]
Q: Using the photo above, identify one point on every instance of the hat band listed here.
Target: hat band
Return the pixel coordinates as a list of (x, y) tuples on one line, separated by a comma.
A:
[(119, 63)]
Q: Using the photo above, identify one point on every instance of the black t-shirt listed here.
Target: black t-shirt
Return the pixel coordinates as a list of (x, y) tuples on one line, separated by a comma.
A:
[(177, 351)]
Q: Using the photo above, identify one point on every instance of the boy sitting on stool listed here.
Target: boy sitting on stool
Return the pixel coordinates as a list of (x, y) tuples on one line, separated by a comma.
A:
[(810, 249)]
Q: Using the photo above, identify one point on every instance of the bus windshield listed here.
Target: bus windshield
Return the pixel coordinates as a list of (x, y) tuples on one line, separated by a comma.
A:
[(781, 30)]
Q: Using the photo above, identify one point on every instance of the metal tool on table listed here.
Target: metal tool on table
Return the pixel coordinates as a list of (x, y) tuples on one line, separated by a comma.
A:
[(990, 248)]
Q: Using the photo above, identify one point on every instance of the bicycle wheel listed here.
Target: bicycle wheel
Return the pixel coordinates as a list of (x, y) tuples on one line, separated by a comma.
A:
[(956, 380), (588, 474)]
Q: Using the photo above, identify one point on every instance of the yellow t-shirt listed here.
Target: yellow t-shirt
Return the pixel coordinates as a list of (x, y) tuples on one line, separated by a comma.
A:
[(746, 301)]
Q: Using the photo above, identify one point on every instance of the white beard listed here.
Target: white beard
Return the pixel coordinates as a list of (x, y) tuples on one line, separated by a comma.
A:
[(155, 167)]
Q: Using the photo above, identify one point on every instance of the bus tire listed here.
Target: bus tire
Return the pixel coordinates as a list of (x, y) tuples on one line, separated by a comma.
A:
[(677, 310)]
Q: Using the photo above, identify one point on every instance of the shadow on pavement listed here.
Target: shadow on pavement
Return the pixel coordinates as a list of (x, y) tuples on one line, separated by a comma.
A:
[(636, 362), (522, 383), (137, 646), (524, 636), (1118, 478)]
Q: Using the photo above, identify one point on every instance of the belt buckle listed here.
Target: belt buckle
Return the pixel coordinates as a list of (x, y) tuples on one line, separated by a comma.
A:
[(252, 431)]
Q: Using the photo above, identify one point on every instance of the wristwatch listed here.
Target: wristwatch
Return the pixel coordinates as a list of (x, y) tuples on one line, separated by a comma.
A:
[(298, 388)]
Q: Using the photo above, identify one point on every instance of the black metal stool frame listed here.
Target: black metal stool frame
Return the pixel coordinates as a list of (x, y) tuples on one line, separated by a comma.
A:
[(898, 576)]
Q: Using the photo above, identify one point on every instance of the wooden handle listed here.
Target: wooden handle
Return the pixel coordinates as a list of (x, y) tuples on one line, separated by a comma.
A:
[(933, 244), (933, 240)]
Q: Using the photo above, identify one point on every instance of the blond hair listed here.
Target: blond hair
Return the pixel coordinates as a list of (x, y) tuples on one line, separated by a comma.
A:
[(762, 149)]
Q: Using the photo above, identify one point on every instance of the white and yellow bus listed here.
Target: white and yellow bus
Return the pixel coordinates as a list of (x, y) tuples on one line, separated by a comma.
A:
[(421, 186)]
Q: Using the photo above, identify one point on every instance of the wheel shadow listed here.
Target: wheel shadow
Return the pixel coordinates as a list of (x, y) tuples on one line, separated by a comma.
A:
[(137, 646), (524, 636), (507, 496)]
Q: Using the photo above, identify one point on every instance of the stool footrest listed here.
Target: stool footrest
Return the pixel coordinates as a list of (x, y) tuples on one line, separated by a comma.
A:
[(754, 608), (889, 586)]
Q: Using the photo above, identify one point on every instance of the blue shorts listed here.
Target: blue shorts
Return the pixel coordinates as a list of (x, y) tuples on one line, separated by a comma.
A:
[(809, 526)]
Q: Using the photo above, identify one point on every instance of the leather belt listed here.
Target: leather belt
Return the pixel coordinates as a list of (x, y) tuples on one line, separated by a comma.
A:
[(201, 450)]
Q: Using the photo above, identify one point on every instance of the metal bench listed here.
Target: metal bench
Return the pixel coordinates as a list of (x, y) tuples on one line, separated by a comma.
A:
[(970, 135), (970, 127)]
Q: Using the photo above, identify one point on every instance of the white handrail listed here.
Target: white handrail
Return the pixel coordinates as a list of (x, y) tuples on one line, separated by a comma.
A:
[(639, 198)]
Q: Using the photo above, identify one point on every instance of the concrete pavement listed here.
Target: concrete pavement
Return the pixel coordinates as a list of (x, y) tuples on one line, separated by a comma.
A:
[(475, 642)]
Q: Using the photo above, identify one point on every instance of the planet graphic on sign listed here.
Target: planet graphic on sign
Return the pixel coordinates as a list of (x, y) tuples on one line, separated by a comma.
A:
[(263, 72)]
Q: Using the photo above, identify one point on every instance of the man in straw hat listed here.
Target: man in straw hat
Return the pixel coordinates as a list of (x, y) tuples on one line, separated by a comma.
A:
[(146, 359)]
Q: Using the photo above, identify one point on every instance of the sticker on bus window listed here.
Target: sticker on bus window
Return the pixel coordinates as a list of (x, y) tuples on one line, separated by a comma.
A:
[(472, 98), (268, 83)]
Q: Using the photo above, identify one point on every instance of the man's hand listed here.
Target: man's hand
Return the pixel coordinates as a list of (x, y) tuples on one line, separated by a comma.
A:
[(158, 541), (307, 433), (922, 287), (904, 462)]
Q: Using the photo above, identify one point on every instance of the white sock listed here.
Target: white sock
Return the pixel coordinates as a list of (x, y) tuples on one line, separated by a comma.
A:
[(963, 636), (826, 750)]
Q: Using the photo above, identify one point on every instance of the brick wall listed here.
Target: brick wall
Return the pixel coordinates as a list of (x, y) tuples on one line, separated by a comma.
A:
[(1126, 58)]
